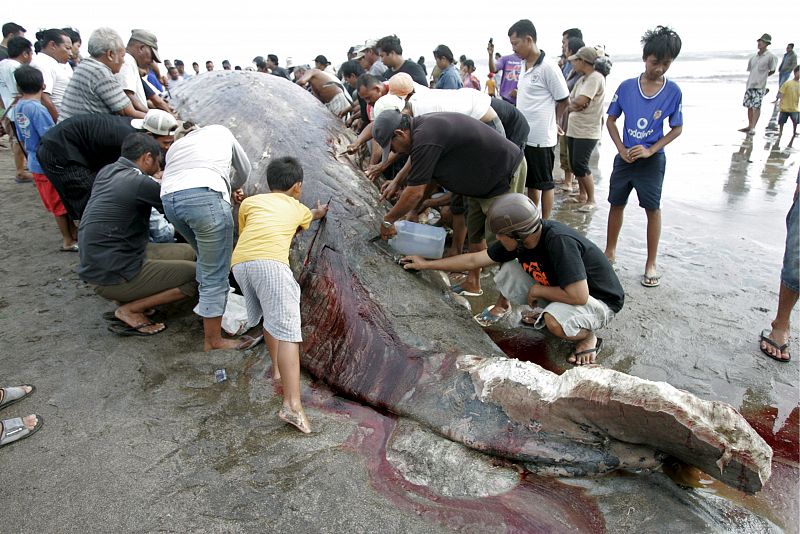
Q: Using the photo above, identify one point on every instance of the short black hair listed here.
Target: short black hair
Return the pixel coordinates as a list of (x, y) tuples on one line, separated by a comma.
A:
[(367, 80), (12, 28), (209, 61), (273, 58), (352, 67), (469, 63), (572, 32), (574, 44), (195, 63), (178, 63), (523, 28), (73, 34), (18, 46), (662, 42), (45, 37), (389, 44), (137, 144), (283, 173), (29, 79)]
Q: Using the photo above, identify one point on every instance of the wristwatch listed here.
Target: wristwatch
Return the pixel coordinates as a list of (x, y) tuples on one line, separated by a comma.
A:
[(386, 224)]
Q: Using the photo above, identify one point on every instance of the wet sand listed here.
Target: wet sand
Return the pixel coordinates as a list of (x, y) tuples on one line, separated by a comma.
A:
[(138, 425)]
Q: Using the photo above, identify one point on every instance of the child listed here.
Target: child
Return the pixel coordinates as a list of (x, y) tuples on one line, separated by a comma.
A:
[(491, 85), (32, 121), (789, 94), (646, 101), (260, 263)]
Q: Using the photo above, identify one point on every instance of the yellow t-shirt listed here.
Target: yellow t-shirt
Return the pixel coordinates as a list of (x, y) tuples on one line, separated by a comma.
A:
[(267, 224), (790, 94)]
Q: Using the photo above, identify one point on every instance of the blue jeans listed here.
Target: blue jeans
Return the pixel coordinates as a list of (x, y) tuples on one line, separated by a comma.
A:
[(206, 221), (791, 263)]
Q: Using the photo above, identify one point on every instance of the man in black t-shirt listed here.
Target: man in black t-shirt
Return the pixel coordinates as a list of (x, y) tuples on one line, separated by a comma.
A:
[(391, 54), (555, 268)]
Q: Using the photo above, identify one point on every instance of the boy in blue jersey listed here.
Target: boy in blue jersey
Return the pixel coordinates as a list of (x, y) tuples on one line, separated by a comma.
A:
[(646, 101)]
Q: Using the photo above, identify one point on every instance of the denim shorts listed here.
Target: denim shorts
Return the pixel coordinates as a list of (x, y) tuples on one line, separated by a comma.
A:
[(791, 258), (205, 220), (646, 175)]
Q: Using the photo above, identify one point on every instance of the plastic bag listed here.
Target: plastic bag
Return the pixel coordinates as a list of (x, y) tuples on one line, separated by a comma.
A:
[(234, 320)]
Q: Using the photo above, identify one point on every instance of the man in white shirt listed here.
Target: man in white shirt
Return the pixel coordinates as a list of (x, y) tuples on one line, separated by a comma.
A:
[(761, 65), (142, 50), (542, 96), (52, 62)]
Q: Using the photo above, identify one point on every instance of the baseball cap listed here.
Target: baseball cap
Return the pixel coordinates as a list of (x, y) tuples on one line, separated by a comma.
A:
[(767, 38), (383, 130), (586, 53), (514, 215), (148, 38), (322, 60), (401, 84), (387, 102), (361, 51), (157, 122)]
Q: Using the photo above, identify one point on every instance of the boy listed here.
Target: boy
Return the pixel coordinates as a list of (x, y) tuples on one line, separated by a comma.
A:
[(260, 263), (645, 101), (32, 120), (789, 95)]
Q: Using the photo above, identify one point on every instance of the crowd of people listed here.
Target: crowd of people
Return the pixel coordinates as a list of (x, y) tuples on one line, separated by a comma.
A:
[(145, 199)]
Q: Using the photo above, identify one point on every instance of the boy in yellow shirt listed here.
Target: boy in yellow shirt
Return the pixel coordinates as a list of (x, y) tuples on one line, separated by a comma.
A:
[(267, 224), (789, 93)]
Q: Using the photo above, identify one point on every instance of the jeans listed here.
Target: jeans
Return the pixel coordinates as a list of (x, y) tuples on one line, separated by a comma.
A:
[(206, 221), (791, 264)]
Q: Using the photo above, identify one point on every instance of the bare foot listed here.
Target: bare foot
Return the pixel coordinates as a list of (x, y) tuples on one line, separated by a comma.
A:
[(297, 419), (780, 337), (221, 344), (586, 351), (136, 319)]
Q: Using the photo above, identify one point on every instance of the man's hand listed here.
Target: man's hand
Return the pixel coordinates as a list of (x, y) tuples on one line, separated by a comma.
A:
[(238, 196), (533, 300), (352, 148), (388, 190), (375, 170), (416, 263), (386, 233), (490, 49), (639, 152)]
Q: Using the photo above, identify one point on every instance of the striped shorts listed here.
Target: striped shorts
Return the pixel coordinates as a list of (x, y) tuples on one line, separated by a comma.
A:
[(270, 291)]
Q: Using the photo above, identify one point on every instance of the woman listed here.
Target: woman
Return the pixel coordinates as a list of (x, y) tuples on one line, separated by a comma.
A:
[(196, 191)]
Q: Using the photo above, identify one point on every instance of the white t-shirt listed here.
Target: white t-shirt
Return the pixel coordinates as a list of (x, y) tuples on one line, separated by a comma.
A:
[(8, 85), (56, 77), (538, 90), (465, 101), (130, 80)]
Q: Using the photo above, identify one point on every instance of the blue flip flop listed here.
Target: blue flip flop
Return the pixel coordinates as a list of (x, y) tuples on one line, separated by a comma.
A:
[(487, 318), (459, 290)]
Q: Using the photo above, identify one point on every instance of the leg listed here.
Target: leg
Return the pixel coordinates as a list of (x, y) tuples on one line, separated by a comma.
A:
[(459, 235), (587, 185), (548, 197), (273, 347), (615, 217), (787, 298), (585, 341), (653, 237), (65, 227), (533, 194), (289, 366), (133, 313)]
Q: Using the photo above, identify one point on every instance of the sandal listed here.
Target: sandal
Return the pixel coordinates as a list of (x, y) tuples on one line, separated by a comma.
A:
[(769, 341), (15, 394), (298, 420), (529, 319), (596, 349), (651, 281), (459, 290), (487, 318), (124, 329), (15, 430)]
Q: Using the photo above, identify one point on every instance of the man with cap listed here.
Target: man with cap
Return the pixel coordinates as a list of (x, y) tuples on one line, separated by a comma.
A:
[(548, 265), (368, 56), (761, 65), (461, 154), (93, 87), (448, 78), (141, 51)]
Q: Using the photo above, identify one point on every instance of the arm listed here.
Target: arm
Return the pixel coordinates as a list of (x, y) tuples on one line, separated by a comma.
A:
[(48, 103), (490, 49), (320, 211), (137, 105), (129, 111), (561, 107), (159, 103), (389, 189), (306, 77), (462, 262), (639, 151), (613, 132), (411, 196), (576, 294), (579, 103), (363, 137)]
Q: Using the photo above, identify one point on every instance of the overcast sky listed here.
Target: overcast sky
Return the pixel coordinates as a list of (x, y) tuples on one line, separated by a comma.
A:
[(299, 29)]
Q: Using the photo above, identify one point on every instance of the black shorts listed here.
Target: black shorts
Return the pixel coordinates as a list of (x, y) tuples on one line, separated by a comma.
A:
[(646, 175), (72, 182), (580, 150), (540, 162)]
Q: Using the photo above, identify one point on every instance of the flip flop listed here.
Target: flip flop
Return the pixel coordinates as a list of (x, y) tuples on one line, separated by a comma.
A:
[(15, 430), (529, 319), (651, 281), (769, 341), (459, 290), (249, 342), (123, 329), (596, 349), (487, 318), (71, 248), (109, 316), (15, 394)]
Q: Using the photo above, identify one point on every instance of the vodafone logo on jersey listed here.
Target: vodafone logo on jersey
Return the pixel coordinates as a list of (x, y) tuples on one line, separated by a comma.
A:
[(641, 123)]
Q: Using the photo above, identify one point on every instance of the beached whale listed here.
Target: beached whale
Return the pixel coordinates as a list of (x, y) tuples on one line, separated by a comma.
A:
[(399, 342)]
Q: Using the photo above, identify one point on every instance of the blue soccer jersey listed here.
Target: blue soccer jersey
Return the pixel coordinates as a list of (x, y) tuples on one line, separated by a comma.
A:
[(644, 115), (32, 120)]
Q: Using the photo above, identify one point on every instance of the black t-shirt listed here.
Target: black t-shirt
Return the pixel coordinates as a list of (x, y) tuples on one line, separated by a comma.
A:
[(563, 257), (462, 154), (514, 122), (411, 68), (114, 227), (281, 72), (92, 141)]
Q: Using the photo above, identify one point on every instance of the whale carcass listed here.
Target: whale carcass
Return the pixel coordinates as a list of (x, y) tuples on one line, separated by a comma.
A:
[(399, 341)]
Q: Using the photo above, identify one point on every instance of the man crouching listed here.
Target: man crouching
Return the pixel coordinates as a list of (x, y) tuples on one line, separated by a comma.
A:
[(113, 237), (556, 268)]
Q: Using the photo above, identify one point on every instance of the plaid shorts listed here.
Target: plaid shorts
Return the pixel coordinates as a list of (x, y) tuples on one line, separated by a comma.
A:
[(753, 97), (270, 291)]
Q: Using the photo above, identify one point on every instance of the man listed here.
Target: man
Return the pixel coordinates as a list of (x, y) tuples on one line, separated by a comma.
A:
[(56, 49), (546, 264), (141, 51), (368, 56), (510, 67), (209, 65), (182, 69), (226, 65), (93, 87), (321, 63), (761, 65), (789, 95), (328, 89), (196, 67), (173, 78), (115, 256), (448, 77), (788, 63), (20, 52), (542, 96), (563, 62), (462, 155), (10, 30), (391, 53), (275, 68)]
